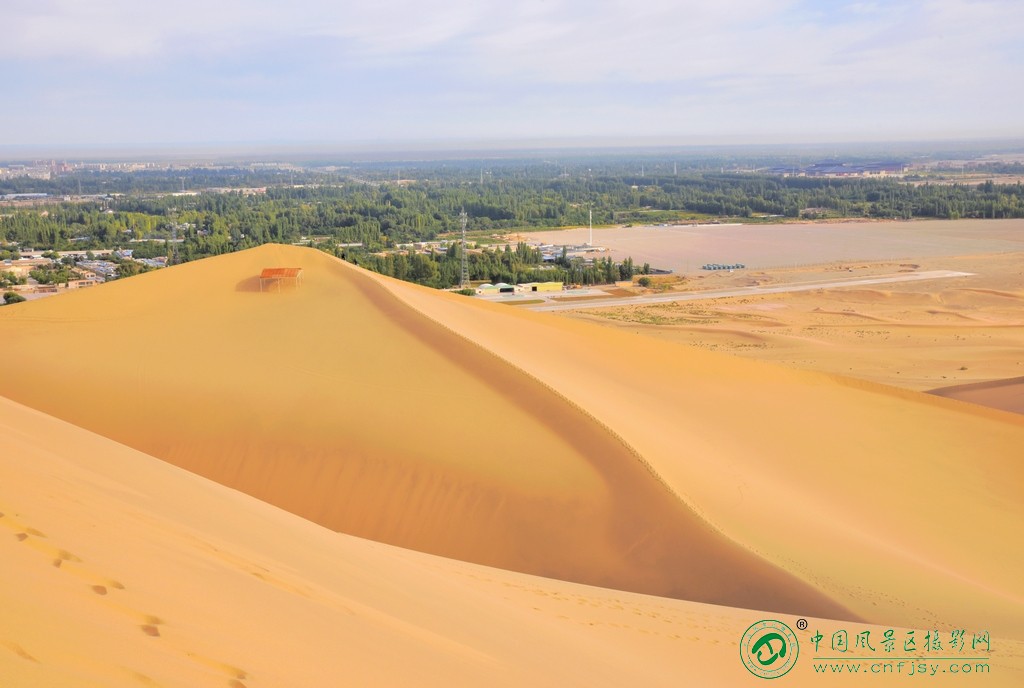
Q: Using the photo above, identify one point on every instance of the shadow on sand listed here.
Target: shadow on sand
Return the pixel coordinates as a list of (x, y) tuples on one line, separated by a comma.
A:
[(270, 286)]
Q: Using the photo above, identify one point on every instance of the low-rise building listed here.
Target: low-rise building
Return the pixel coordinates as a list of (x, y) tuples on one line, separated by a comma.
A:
[(499, 288), (541, 286)]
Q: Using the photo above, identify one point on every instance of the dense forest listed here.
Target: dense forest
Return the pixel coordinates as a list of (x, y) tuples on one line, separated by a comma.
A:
[(378, 207)]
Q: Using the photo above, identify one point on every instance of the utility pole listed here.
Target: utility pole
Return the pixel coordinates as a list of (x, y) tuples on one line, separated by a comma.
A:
[(464, 281), (173, 245)]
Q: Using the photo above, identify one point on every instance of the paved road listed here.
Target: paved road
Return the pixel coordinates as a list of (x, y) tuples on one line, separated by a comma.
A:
[(739, 291)]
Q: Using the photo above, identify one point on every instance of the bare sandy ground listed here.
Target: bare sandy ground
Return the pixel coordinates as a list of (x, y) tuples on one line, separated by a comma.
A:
[(345, 405), (923, 337), (120, 570), (527, 441), (685, 248), (918, 336), (733, 439)]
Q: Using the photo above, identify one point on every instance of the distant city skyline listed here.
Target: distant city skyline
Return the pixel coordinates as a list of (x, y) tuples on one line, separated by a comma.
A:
[(314, 73)]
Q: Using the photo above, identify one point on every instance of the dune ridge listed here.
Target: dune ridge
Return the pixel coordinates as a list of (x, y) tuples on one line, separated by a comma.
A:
[(199, 597), (1004, 395), (108, 582), (904, 433), (521, 479), (800, 476)]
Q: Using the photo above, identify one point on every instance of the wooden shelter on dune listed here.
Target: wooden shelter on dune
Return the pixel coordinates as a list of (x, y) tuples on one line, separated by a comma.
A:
[(271, 276)]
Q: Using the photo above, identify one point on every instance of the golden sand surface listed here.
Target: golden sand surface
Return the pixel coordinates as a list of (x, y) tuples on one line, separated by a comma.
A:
[(815, 473), (120, 570), (525, 441), (915, 335), (341, 403)]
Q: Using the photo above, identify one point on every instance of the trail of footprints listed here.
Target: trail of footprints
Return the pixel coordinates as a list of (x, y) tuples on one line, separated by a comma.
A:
[(674, 622), (58, 557), (102, 586)]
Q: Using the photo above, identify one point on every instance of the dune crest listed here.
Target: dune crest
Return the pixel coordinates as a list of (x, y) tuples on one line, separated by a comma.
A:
[(814, 472), (538, 444), (345, 405), (114, 584), (1006, 395)]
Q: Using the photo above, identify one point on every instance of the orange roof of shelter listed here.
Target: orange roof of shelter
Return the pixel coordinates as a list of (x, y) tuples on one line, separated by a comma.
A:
[(280, 273)]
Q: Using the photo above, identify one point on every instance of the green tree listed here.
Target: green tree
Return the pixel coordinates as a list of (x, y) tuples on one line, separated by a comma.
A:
[(128, 268), (9, 279)]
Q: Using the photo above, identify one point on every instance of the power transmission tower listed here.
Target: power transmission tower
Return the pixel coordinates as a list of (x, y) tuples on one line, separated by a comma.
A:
[(173, 244), (464, 282)]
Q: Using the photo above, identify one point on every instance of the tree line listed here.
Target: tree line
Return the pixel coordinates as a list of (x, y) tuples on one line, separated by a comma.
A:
[(379, 210), (443, 269)]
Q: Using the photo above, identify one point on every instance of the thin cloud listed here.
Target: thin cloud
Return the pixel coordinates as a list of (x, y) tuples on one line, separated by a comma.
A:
[(399, 68)]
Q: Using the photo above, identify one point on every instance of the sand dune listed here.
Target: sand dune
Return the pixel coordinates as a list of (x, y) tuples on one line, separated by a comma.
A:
[(778, 459), (346, 406), (1007, 395), (540, 444), (1013, 295), (850, 314), (120, 570), (233, 592)]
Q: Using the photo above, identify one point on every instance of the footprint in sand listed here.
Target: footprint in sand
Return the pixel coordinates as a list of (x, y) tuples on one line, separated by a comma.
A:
[(235, 674), (64, 555), (58, 557), (26, 532), (143, 679), (19, 651), (23, 530), (100, 585), (151, 625), (102, 589)]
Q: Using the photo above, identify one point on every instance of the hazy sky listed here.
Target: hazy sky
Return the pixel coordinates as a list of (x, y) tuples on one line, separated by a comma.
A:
[(232, 71)]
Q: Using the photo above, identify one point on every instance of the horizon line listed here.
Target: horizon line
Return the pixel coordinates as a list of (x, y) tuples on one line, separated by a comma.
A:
[(434, 148)]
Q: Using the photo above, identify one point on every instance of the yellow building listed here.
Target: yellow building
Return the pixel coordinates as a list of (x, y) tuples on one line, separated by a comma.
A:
[(542, 286)]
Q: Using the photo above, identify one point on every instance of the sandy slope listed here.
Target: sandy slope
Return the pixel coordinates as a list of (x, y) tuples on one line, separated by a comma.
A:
[(418, 418), (899, 505), (168, 579), (920, 336), (342, 404), (1007, 395), (121, 570)]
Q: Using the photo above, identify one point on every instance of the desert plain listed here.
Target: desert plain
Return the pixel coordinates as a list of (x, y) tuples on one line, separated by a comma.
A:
[(358, 481), (961, 337)]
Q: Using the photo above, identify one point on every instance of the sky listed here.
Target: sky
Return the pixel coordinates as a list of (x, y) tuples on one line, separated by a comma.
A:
[(211, 72)]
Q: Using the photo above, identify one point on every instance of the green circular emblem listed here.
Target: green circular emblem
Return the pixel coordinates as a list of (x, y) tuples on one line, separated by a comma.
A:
[(769, 649)]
